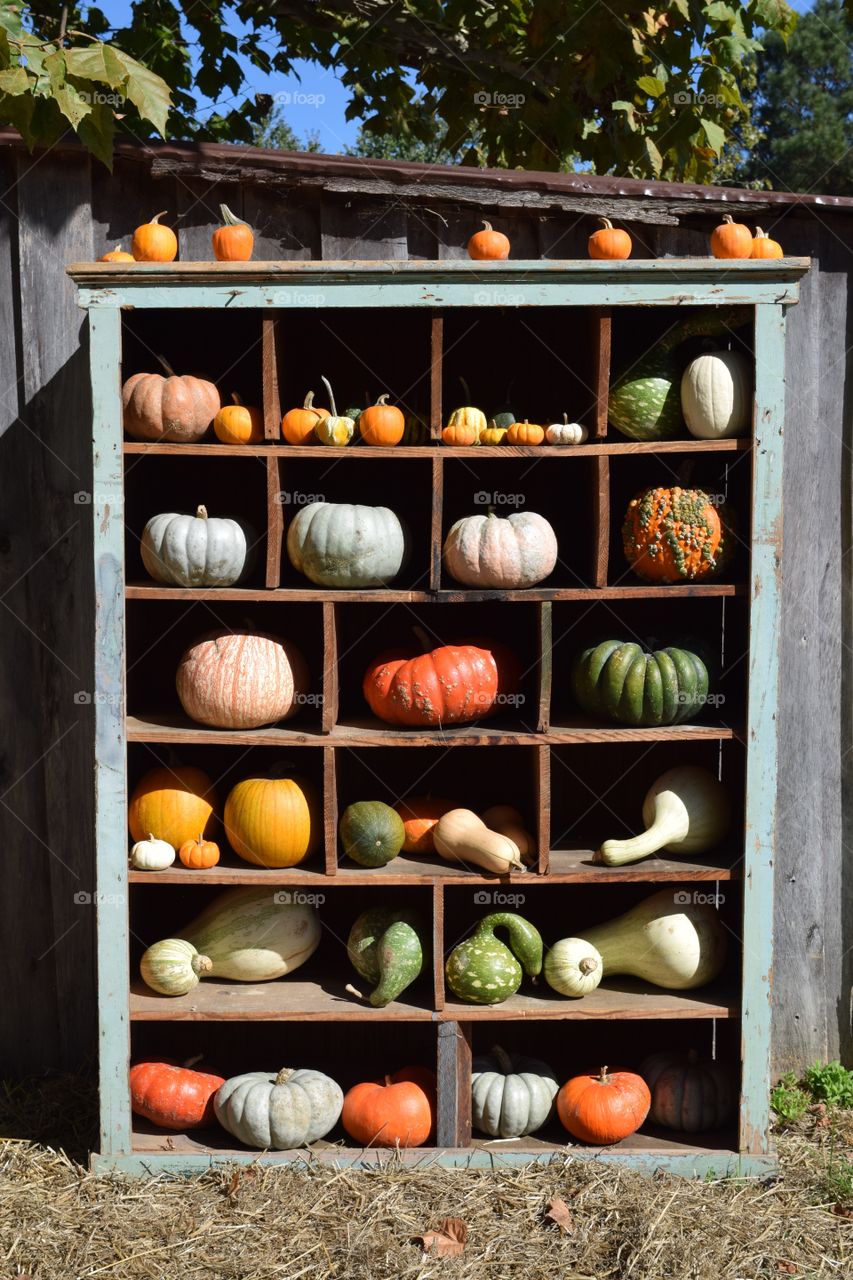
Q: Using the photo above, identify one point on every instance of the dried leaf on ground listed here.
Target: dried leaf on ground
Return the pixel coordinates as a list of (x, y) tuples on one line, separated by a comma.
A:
[(448, 1241), (557, 1211)]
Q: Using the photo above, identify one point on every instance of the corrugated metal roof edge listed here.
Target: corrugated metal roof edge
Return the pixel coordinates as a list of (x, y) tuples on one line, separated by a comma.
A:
[(236, 156)]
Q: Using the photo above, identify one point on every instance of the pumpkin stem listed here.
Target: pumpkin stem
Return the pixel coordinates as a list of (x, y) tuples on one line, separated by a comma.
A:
[(284, 1075), (308, 402), (727, 217), (388, 1082), (157, 217), (761, 235), (565, 419), (201, 513), (487, 226), (503, 1059), (235, 399), (422, 637), (331, 396), (191, 1062), (354, 991), (382, 399), (165, 363), (588, 965), (201, 964), (602, 1076), (606, 224), (228, 217)]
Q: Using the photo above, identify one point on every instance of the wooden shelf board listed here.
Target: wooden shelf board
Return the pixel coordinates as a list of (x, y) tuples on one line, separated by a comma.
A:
[(426, 451), (568, 866), (173, 727), (446, 595), (292, 999), (616, 999)]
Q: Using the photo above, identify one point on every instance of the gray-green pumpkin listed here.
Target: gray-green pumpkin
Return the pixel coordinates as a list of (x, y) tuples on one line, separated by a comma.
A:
[(511, 1095), (371, 832), (279, 1112), (618, 680), (340, 544), (645, 401), (388, 948), (484, 970)]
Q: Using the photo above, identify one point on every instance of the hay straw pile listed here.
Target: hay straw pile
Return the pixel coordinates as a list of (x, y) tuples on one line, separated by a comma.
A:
[(58, 1222)]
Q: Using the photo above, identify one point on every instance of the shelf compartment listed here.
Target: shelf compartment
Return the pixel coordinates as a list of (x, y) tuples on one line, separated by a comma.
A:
[(283, 1000), (222, 347)]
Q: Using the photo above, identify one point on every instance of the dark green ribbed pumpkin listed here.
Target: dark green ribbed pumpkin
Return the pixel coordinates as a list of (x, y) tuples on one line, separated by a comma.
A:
[(371, 832), (388, 948), (645, 401), (619, 680), (484, 970)]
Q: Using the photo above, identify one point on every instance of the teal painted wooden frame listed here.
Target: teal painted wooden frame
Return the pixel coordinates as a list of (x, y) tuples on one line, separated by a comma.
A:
[(107, 288)]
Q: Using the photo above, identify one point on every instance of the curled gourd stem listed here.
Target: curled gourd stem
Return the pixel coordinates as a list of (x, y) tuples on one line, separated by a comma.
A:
[(487, 226), (308, 402), (727, 217), (606, 224), (201, 513), (230, 219), (382, 399), (328, 386), (235, 399), (157, 216)]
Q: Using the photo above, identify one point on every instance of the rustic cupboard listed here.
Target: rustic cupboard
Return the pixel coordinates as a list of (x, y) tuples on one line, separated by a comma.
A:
[(544, 334)]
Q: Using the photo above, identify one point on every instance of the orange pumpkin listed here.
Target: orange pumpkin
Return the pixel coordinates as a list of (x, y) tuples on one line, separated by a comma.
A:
[(272, 821), (173, 1097), (764, 247), (603, 1108), (117, 255), (176, 408), (398, 1111), (488, 245), (233, 242), (153, 242), (173, 804), (200, 854), (731, 239), (381, 424), (297, 425), (527, 433), (241, 679), (609, 242), (675, 535), (238, 423), (453, 684), (420, 815)]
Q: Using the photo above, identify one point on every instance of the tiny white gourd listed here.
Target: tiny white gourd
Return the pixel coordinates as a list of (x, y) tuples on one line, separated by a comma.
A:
[(152, 855), (716, 395), (686, 811), (195, 551), (565, 432)]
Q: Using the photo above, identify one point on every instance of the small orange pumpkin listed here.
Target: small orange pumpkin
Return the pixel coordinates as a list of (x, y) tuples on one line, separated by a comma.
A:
[(609, 242), (117, 255), (764, 247), (420, 816), (603, 1108), (200, 854), (488, 245), (153, 242), (525, 433), (381, 424), (234, 241), (398, 1111), (731, 239), (238, 423), (297, 425)]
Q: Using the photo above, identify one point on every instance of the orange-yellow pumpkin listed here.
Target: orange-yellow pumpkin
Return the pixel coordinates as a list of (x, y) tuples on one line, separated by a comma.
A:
[(272, 821), (731, 239), (381, 424), (609, 242), (488, 244), (764, 247), (153, 242), (241, 679), (528, 433), (234, 241), (117, 255), (173, 1097), (675, 535), (398, 1111), (297, 425), (420, 815), (172, 804), (238, 423), (199, 854), (604, 1107)]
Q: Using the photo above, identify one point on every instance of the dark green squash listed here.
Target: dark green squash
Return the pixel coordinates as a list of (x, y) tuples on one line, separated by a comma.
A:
[(618, 680), (416, 431), (484, 970), (390, 949), (372, 833)]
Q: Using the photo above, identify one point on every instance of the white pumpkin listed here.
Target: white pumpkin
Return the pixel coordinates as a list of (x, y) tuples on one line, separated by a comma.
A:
[(511, 1095), (195, 551), (338, 544), (279, 1112), (152, 855), (716, 395), (565, 432), (500, 551)]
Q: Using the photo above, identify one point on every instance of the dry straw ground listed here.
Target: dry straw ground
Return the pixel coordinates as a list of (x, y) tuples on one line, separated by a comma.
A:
[(58, 1222)]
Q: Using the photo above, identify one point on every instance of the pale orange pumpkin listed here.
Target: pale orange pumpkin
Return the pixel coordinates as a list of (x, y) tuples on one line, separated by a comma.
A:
[(153, 242), (420, 816), (609, 242), (173, 804), (297, 425), (731, 239), (238, 423), (605, 1107), (764, 247), (272, 821), (174, 408), (381, 424), (117, 255), (241, 679), (488, 244), (199, 854)]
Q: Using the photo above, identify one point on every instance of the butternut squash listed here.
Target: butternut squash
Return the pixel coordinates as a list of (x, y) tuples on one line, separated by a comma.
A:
[(460, 836), (509, 822)]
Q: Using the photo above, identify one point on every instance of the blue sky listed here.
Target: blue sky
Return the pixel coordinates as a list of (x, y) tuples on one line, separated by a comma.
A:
[(313, 101)]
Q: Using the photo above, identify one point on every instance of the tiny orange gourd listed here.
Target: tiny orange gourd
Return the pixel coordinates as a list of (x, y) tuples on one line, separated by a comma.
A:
[(381, 424), (234, 241), (153, 242), (528, 433), (609, 242), (731, 239), (117, 255), (488, 245), (297, 425), (238, 423), (199, 854), (603, 1108), (764, 247)]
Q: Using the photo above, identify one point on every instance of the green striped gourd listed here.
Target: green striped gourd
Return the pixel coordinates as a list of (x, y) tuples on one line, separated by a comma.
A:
[(484, 970), (620, 681), (388, 948)]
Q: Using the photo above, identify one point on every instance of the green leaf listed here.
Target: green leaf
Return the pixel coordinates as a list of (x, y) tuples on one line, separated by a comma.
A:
[(721, 12), (148, 93), (715, 134), (651, 86), (628, 108), (15, 81), (96, 62), (96, 133), (653, 156), (17, 109)]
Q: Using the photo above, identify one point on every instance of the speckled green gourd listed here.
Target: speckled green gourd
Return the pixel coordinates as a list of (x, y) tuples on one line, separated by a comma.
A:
[(645, 401), (388, 948), (619, 680), (484, 970)]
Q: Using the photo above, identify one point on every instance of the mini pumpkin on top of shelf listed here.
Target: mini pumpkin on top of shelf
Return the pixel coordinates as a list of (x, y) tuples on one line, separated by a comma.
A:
[(565, 432), (675, 535), (493, 434), (382, 424), (234, 241), (525, 433), (764, 247), (609, 242), (731, 239), (116, 255), (488, 245), (152, 242), (238, 423), (199, 854), (151, 854)]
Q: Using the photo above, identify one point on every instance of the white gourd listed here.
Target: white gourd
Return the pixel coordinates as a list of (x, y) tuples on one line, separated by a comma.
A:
[(716, 395), (195, 551), (152, 855), (279, 1112), (500, 552), (339, 544), (686, 811), (565, 432)]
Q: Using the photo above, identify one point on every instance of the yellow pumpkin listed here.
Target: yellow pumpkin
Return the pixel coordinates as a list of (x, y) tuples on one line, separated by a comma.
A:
[(272, 821), (173, 803), (237, 423)]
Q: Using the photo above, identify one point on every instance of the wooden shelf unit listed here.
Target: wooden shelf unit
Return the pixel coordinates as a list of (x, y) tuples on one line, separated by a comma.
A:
[(577, 781)]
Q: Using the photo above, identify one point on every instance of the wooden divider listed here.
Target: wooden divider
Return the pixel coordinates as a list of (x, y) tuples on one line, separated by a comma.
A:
[(542, 794), (601, 521), (543, 654), (601, 369), (329, 709), (435, 375), (272, 432), (438, 943), (453, 1123), (436, 526), (330, 810)]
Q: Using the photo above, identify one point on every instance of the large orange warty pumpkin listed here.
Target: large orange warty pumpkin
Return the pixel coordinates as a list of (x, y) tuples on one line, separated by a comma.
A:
[(452, 684), (241, 679)]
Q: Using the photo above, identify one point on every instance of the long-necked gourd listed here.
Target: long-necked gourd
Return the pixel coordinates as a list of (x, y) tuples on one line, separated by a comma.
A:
[(686, 811), (484, 970), (388, 948), (664, 940)]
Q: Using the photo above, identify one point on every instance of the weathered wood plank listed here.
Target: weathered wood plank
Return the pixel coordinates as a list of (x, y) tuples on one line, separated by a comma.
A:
[(453, 1122), (362, 230), (198, 215), (285, 229)]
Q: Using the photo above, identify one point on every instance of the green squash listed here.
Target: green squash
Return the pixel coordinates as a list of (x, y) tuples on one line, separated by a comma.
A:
[(620, 681), (484, 970), (415, 431), (388, 948), (371, 832), (645, 401), (504, 416)]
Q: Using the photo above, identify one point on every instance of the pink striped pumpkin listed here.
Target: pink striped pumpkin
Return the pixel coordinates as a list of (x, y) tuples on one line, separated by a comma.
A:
[(241, 679)]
